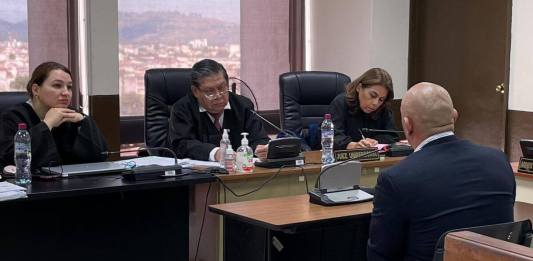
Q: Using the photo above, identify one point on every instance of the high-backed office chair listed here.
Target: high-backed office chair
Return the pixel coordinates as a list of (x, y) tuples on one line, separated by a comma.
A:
[(163, 87), (9, 99), (304, 98), (518, 232)]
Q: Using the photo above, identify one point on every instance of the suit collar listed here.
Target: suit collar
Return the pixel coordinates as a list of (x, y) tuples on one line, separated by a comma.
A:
[(442, 140)]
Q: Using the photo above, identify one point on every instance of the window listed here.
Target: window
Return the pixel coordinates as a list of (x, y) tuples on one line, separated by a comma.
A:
[(172, 33), (13, 45)]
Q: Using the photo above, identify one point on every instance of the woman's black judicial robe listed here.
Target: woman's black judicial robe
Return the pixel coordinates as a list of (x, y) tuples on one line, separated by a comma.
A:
[(347, 125), (69, 143)]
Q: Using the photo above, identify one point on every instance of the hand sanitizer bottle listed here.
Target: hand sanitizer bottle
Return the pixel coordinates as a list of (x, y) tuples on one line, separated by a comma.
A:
[(229, 159), (245, 156)]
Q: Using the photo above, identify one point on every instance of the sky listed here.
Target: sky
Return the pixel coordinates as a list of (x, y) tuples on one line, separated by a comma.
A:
[(13, 10), (228, 10)]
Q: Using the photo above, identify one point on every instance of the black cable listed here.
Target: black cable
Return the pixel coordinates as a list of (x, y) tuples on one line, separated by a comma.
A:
[(302, 172), (203, 221), (256, 189), (250, 89)]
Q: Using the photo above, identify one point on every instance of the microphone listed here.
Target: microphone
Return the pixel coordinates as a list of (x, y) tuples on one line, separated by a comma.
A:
[(317, 182), (305, 146), (144, 149), (152, 171), (272, 124), (380, 131), (234, 87)]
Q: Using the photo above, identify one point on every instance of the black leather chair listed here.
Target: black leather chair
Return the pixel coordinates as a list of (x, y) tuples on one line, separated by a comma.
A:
[(518, 232), (163, 87), (8, 99), (304, 98)]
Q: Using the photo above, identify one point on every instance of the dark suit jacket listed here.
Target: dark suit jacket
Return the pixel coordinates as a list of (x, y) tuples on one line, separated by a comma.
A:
[(449, 184), (348, 126), (193, 135)]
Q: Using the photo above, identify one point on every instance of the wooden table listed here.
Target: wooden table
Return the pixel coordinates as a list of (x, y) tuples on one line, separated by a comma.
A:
[(298, 225), (297, 229), (289, 182), (312, 166), (520, 174)]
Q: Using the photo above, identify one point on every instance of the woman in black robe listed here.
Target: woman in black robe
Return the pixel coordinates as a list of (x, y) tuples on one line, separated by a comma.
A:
[(363, 105), (59, 134)]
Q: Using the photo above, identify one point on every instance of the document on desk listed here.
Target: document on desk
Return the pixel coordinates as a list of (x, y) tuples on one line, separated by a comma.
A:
[(165, 161), (10, 191), (150, 160)]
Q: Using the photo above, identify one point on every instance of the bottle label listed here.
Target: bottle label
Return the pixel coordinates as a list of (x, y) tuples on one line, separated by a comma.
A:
[(21, 147)]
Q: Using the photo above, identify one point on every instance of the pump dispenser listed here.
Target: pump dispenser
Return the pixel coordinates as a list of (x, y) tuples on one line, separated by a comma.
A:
[(224, 142), (245, 156)]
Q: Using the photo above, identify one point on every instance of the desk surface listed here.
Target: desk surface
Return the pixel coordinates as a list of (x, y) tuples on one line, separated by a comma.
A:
[(67, 187), (280, 213), (309, 168)]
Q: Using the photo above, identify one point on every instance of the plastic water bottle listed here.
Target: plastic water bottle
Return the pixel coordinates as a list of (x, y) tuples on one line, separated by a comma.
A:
[(327, 131), (229, 159), (224, 142), (22, 155), (244, 162)]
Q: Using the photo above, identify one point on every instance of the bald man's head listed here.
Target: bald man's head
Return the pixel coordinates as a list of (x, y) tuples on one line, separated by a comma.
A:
[(429, 109)]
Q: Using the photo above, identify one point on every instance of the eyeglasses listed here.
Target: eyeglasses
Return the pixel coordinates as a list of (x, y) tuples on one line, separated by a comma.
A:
[(215, 95)]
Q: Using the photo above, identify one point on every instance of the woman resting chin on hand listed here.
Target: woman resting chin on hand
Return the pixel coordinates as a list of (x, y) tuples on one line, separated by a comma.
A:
[(59, 135)]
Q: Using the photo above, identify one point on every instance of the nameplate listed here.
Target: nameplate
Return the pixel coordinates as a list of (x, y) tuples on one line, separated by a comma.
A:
[(371, 154), (525, 165)]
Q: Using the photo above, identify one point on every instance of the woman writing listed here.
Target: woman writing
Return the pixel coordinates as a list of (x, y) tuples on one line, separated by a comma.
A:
[(59, 135), (363, 105)]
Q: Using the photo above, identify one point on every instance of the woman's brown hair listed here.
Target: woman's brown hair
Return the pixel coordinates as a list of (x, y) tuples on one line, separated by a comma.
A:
[(41, 73), (374, 76)]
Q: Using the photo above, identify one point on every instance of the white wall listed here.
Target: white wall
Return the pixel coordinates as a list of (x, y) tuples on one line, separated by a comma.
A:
[(351, 36), (521, 71), (102, 47)]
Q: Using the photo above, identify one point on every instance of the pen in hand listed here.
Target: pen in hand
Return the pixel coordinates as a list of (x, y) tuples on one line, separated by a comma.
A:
[(362, 136)]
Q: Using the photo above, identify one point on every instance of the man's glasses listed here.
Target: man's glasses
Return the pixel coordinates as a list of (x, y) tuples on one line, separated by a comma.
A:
[(215, 95)]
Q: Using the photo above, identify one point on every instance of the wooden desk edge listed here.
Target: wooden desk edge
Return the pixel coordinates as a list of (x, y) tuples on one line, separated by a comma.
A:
[(514, 165), (312, 168), (218, 209)]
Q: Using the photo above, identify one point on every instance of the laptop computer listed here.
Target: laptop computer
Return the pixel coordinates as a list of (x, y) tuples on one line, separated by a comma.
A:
[(339, 184), (85, 169)]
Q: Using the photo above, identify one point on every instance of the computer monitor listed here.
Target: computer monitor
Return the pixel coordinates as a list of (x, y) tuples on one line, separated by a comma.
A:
[(527, 148)]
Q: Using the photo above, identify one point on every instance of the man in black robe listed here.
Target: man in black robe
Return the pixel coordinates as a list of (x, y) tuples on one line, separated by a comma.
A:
[(198, 119)]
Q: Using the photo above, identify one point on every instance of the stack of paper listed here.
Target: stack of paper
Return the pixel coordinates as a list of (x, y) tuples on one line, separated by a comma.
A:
[(10, 191)]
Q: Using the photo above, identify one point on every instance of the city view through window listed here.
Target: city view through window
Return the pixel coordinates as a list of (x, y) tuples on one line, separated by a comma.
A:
[(173, 34), (14, 62)]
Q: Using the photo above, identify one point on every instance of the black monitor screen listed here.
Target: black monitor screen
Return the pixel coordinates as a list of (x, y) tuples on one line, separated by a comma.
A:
[(527, 148)]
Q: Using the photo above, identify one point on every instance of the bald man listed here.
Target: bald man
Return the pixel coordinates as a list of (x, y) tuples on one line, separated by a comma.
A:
[(447, 183)]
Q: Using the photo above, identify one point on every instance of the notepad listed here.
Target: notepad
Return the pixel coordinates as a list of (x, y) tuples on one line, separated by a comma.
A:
[(9, 191)]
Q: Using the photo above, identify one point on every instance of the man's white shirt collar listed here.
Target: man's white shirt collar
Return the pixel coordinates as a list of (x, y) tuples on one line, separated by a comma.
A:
[(202, 109), (432, 138)]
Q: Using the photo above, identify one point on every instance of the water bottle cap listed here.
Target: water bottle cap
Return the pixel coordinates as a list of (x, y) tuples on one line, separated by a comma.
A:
[(327, 116), (22, 126)]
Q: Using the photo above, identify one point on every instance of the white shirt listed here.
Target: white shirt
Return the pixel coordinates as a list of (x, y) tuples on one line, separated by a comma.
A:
[(432, 138), (221, 121)]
